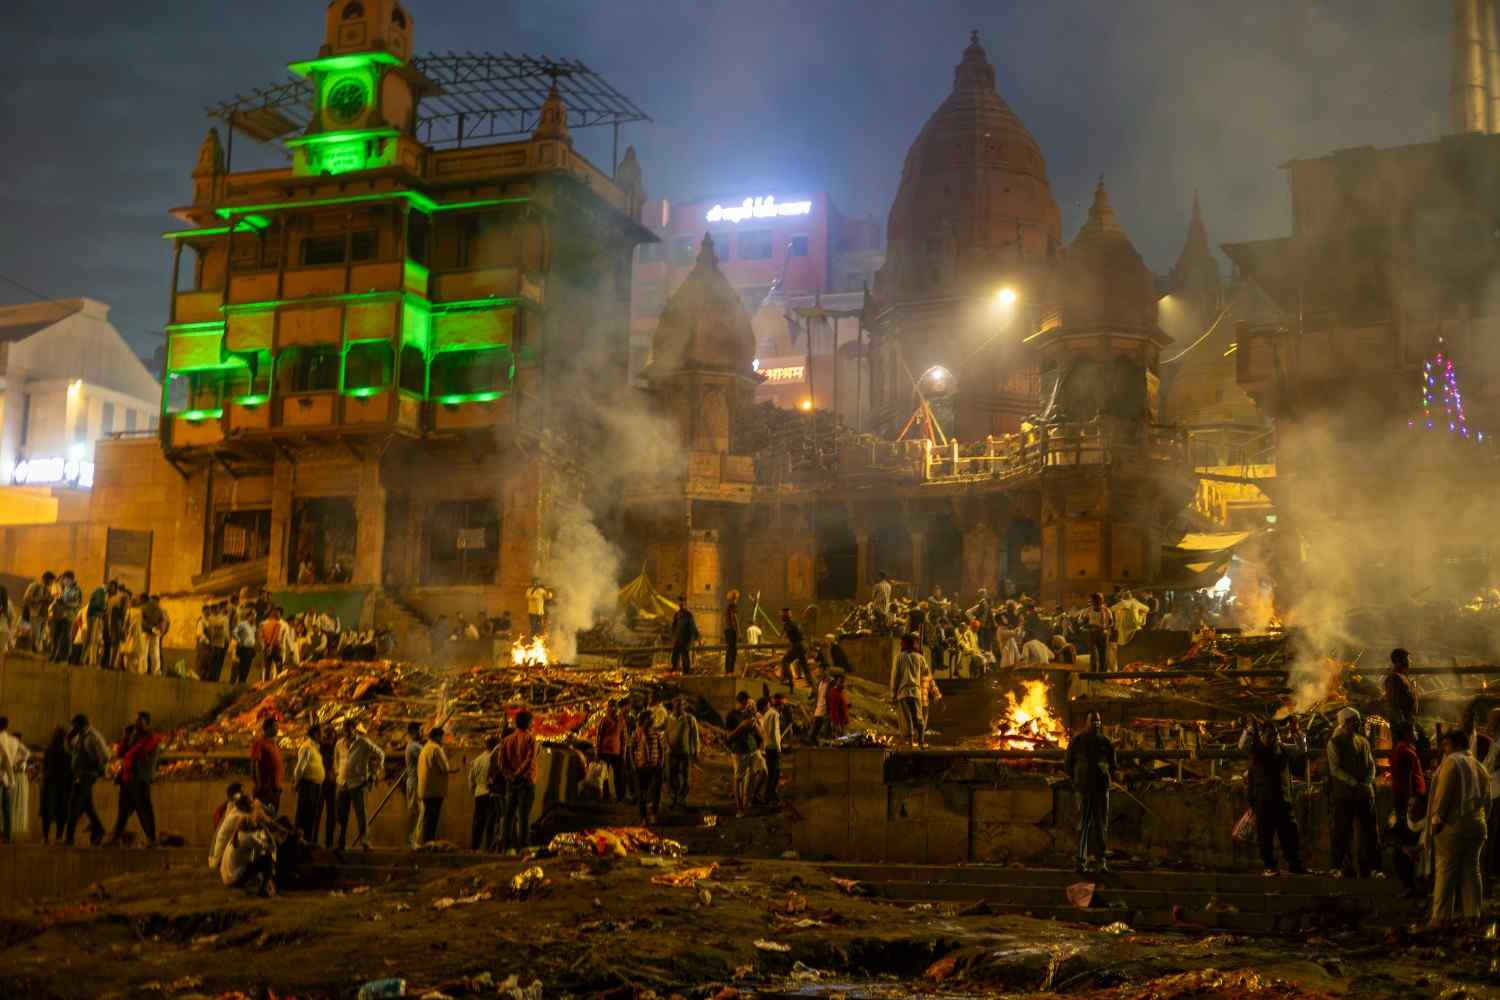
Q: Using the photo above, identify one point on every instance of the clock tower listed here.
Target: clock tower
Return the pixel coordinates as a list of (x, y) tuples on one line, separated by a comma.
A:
[(364, 91)]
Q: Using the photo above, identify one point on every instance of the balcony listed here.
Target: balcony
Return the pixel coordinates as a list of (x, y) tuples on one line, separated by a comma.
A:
[(476, 412), (487, 282), (198, 307), (195, 429), (244, 417), (307, 410), (248, 287)]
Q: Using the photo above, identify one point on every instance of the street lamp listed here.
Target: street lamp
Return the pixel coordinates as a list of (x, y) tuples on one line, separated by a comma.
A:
[(1006, 297)]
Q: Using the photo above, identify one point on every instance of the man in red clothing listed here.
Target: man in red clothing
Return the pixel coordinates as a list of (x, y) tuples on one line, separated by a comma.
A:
[(1408, 789), (518, 764), (138, 753), (648, 750), (265, 765), (609, 743)]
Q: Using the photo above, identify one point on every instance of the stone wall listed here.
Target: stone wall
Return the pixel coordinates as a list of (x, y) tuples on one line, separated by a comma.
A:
[(852, 811), (38, 696)]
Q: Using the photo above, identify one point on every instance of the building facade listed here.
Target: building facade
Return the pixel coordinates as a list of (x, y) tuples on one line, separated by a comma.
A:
[(375, 353)]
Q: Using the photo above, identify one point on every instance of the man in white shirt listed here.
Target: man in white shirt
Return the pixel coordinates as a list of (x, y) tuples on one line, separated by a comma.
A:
[(881, 598), (307, 781), (13, 757), (482, 831), (770, 732), (752, 634), (1098, 626), (359, 763)]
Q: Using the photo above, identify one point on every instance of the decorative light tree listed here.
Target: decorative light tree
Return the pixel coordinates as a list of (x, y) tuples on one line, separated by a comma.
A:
[(1440, 390)]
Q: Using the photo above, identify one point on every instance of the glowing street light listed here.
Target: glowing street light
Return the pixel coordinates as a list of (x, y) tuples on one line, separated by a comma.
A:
[(807, 406), (1006, 297)]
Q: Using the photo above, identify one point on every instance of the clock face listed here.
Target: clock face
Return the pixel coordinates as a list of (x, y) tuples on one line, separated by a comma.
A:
[(346, 101)]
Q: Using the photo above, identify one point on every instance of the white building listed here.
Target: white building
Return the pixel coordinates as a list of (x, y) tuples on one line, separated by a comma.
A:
[(67, 378)]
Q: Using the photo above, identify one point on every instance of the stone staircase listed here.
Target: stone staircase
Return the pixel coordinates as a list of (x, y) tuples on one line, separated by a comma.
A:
[(1238, 903), (407, 624)]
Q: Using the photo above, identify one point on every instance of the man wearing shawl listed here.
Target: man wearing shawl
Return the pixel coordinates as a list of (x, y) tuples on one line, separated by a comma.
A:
[(1455, 816)]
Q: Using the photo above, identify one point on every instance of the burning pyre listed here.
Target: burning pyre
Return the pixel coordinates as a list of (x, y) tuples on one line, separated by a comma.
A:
[(1028, 722), (532, 654)]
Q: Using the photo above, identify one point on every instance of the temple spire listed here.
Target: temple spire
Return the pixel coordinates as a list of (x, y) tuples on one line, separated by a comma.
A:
[(1195, 276)]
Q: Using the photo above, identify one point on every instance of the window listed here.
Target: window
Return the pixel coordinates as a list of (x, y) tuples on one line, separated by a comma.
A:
[(463, 542), (467, 373), (353, 10), (323, 540), (797, 247), (755, 245), (413, 369), (321, 251), (368, 365), (239, 537), (254, 379), (129, 423), (398, 17), (107, 418), (307, 369), (26, 417), (682, 250)]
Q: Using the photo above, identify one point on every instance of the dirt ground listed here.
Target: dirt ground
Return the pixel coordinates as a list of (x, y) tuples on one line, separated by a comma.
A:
[(603, 927)]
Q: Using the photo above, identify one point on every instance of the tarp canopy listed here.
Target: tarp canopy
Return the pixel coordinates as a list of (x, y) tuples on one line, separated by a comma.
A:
[(648, 603), (1199, 559)]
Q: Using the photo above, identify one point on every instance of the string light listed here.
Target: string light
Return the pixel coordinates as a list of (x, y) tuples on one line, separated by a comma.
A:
[(1440, 387)]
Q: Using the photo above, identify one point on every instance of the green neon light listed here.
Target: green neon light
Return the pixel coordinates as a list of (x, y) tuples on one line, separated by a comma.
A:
[(470, 397), (418, 201), (206, 326), (416, 272), (416, 325), (373, 390), (332, 64), (195, 416), (331, 138), (252, 400), (265, 305), (470, 305), (184, 234)]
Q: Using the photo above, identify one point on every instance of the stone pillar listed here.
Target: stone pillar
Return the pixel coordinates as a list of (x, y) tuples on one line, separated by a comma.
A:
[(369, 516), (861, 564), (981, 559), (918, 570), (283, 477)]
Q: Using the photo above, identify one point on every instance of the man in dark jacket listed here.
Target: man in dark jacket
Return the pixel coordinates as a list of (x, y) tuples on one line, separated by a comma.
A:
[(1268, 783), (684, 634), (1401, 699), (796, 651), (731, 630), (1090, 764), (90, 756)]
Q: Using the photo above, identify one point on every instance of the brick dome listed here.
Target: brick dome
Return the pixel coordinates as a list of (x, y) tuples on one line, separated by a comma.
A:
[(974, 195), (704, 326)]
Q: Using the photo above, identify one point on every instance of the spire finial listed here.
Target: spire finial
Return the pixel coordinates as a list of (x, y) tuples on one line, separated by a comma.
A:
[(974, 37)]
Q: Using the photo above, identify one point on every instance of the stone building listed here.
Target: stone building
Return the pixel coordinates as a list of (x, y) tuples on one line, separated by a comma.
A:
[(375, 353)]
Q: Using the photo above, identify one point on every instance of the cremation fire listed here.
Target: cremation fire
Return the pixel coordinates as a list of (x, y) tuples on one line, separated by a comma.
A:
[(1028, 724), (533, 654)]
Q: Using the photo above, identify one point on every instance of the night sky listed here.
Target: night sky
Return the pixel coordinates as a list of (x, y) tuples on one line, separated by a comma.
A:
[(103, 104)]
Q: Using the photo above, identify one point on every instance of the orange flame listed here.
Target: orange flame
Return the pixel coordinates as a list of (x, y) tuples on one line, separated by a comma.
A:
[(1028, 724), (530, 655)]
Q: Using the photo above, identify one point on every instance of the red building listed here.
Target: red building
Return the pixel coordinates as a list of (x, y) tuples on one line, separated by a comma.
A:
[(791, 243)]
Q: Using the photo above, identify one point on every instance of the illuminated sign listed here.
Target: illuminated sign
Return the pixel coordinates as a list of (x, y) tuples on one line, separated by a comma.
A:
[(787, 373), (758, 208), (53, 472)]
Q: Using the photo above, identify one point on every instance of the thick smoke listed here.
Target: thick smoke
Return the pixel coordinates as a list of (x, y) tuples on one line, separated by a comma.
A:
[(629, 446)]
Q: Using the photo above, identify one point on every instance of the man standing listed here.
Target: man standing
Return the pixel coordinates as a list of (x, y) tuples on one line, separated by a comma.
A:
[(1401, 698), (328, 803), (518, 765), (906, 681), (683, 744), (1268, 782), (609, 742), (308, 775), (34, 605), (432, 783), (65, 608), (154, 625), (266, 767), (731, 630), (649, 751), (409, 784), (770, 735), (880, 597), (13, 757), (752, 639), (482, 830), (1351, 772), (741, 731), (137, 772), (1099, 623), (1455, 818), (109, 626), (684, 634), (90, 756), (1409, 786), (244, 647), (536, 605), (1090, 764), (796, 651), (358, 763), (218, 641)]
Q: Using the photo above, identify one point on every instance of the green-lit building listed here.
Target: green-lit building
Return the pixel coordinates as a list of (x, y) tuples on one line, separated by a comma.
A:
[(375, 351)]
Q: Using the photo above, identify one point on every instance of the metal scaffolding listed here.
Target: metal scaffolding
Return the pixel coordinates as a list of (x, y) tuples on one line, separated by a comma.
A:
[(465, 98)]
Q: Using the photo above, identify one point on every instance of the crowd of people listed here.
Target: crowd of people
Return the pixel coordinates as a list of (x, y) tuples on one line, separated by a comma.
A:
[(253, 638), (113, 628)]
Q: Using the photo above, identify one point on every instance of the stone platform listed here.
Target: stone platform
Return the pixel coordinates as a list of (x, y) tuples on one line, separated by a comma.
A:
[(1240, 903)]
